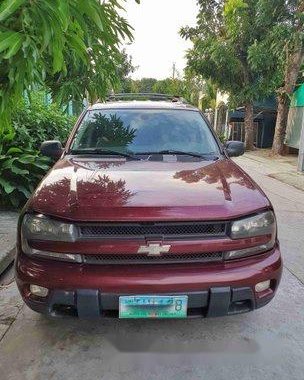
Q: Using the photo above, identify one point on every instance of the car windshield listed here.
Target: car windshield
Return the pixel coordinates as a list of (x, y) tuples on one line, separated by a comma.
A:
[(144, 131)]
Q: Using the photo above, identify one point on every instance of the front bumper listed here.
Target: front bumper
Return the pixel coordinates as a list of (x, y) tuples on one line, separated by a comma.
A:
[(91, 303), (90, 291)]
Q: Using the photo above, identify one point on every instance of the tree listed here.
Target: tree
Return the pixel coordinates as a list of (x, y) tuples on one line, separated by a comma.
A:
[(169, 86), (70, 45), (191, 87), (124, 69), (198, 91), (284, 44), (223, 41), (143, 85), (112, 129), (209, 95)]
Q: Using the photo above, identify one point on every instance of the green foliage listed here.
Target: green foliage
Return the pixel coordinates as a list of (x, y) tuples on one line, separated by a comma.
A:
[(169, 86), (112, 130), (21, 166), (198, 91), (209, 95), (284, 36), (193, 88), (37, 121), (143, 85), (301, 76), (190, 88), (229, 50), (20, 172), (70, 45), (243, 45), (124, 68), (284, 43)]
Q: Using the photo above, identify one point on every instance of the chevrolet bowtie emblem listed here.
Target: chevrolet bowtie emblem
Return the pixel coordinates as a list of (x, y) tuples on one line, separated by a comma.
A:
[(154, 249)]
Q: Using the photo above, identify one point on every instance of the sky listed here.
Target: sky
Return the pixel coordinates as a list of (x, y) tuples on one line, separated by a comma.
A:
[(157, 43)]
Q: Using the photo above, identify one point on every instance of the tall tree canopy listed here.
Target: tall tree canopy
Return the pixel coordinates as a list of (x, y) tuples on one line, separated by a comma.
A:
[(124, 69), (250, 49), (143, 85), (223, 44), (69, 45), (170, 86), (283, 46)]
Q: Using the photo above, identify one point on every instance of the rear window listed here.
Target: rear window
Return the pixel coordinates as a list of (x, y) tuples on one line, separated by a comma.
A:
[(143, 130)]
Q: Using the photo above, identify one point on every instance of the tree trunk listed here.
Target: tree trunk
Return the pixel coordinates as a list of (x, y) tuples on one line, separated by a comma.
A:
[(249, 127), (281, 124), (293, 65), (291, 75)]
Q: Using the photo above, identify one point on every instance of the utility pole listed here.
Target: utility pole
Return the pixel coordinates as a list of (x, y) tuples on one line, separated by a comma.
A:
[(173, 70), (301, 149)]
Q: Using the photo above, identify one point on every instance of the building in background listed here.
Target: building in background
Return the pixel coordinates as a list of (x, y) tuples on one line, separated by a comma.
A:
[(265, 113), (230, 123)]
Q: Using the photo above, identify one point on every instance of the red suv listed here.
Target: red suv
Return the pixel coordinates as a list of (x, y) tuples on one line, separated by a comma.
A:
[(145, 215)]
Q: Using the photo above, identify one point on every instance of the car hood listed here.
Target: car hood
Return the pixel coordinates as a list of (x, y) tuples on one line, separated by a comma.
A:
[(96, 189)]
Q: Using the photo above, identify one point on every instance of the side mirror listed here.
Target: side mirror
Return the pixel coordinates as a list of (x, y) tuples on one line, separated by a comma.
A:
[(235, 148), (51, 149)]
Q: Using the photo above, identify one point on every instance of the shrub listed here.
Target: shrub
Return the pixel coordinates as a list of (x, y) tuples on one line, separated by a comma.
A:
[(38, 121), (20, 172), (21, 166)]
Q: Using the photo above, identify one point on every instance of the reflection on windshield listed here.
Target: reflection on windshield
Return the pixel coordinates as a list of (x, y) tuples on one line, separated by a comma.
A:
[(141, 130), (104, 131)]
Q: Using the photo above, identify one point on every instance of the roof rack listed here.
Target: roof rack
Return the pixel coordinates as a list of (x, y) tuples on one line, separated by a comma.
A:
[(145, 96)]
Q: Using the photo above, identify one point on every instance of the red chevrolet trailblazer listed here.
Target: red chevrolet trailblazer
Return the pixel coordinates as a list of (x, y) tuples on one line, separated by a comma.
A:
[(145, 215)]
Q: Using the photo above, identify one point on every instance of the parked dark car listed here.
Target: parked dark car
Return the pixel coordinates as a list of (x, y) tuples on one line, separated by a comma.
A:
[(145, 215)]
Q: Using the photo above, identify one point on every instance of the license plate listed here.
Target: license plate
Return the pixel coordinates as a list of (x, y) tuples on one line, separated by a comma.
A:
[(153, 306)]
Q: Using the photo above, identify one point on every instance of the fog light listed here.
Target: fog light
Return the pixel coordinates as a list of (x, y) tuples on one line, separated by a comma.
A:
[(39, 291), (261, 286)]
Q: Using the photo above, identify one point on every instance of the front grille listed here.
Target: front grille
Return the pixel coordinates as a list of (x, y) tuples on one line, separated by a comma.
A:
[(164, 230), (167, 258)]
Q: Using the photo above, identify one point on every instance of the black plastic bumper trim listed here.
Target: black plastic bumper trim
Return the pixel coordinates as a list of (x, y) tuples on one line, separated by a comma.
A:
[(219, 302), (91, 303), (88, 304)]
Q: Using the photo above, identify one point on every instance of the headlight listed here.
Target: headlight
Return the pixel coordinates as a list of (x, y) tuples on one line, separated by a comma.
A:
[(42, 228), (39, 227), (258, 225), (263, 224)]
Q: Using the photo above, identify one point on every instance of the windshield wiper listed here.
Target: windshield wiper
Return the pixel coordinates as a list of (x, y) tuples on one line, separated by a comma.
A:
[(104, 151), (181, 152)]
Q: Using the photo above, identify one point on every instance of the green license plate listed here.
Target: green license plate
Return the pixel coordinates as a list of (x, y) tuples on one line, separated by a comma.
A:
[(153, 306)]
